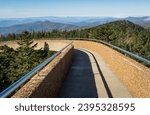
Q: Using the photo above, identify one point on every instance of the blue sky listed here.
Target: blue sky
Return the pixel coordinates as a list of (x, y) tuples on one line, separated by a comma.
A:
[(95, 8)]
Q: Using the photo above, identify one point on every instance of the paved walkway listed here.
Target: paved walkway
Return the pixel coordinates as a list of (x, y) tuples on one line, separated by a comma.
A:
[(91, 77), (80, 80)]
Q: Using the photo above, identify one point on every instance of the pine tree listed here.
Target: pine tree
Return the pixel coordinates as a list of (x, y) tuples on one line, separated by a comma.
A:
[(6, 58), (25, 59)]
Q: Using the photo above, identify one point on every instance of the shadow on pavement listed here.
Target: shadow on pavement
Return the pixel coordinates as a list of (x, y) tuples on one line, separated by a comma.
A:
[(80, 82)]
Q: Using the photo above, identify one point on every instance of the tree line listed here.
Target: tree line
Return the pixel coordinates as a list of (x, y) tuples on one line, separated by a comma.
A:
[(124, 34)]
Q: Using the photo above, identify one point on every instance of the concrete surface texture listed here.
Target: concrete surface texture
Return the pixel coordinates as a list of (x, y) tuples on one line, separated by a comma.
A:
[(133, 77), (80, 81), (86, 79)]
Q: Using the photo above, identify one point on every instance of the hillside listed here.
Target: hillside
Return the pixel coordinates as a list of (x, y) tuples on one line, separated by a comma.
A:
[(18, 25), (124, 34), (77, 21), (146, 26), (36, 26)]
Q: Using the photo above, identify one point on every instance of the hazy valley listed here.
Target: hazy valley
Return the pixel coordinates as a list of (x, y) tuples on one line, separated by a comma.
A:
[(36, 24)]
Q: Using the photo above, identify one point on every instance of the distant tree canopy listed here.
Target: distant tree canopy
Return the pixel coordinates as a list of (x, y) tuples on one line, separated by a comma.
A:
[(16, 63), (124, 34)]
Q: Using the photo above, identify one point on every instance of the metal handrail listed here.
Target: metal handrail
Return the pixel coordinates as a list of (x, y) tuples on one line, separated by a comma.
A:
[(119, 49), (23, 79), (127, 52)]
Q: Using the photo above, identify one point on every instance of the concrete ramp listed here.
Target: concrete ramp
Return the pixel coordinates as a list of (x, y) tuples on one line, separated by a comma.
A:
[(80, 82), (90, 77)]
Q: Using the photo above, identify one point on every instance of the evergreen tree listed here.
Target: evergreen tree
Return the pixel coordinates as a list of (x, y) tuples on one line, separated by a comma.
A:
[(6, 58), (26, 56), (16, 63)]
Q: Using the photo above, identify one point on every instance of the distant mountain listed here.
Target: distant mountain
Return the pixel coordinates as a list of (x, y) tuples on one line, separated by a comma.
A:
[(91, 22), (11, 22), (37, 26), (78, 21), (62, 23), (124, 34), (143, 21)]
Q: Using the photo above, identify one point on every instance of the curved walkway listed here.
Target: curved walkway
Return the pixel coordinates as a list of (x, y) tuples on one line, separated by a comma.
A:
[(80, 79), (91, 77)]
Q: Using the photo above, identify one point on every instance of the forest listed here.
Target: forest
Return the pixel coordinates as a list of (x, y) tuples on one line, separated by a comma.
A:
[(124, 34), (14, 63)]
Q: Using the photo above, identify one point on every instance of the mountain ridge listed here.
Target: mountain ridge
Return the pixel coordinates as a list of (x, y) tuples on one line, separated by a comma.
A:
[(11, 25), (71, 20), (123, 33), (37, 26)]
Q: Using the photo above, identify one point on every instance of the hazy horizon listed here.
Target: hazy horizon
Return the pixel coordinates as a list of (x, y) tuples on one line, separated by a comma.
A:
[(74, 8), (74, 17)]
